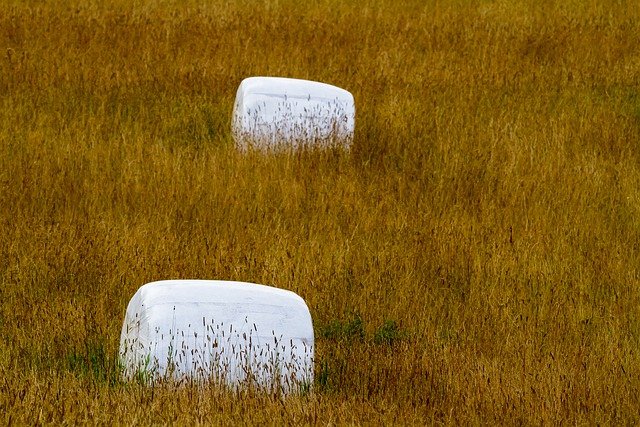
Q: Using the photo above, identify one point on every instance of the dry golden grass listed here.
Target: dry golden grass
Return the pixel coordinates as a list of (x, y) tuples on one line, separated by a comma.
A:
[(475, 259)]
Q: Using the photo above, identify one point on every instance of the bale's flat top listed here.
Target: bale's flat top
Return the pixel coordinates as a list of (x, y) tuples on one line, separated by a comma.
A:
[(293, 88), (214, 291)]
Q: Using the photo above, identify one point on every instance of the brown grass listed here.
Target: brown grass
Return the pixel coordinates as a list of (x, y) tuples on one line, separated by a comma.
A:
[(475, 259)]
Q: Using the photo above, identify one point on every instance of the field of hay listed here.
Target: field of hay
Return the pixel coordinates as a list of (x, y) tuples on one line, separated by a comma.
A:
[(474, 259)]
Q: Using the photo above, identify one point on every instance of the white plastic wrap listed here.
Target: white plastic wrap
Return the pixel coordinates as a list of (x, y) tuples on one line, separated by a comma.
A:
[(275, 112), (209, 330)]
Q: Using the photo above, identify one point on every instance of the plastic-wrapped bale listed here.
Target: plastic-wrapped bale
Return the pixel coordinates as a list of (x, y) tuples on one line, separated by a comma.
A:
[(275, 112), (233, 333)]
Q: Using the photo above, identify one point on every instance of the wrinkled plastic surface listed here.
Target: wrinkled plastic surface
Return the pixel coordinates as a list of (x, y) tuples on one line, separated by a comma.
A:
[(275, 112), (208, 330)]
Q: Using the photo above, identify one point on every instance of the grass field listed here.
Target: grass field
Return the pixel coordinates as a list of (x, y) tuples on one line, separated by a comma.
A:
[(474, 259)]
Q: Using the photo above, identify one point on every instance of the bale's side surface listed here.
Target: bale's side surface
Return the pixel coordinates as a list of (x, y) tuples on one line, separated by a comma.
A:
[(274, 112), (231, 332)]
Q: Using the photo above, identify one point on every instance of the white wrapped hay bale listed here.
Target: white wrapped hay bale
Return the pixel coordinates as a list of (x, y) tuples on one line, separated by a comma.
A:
[(275, 112), (210, 330)]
